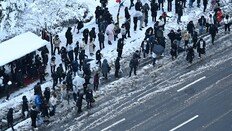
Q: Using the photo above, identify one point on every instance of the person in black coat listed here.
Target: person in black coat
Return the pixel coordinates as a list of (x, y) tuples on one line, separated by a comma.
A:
[(80, 25), (201, 47), (97, 13), (131, 3), (82, 57), (41, 72), (154, 9), (33, 113), (134, 62), (117, 67), (79, 103), (120, 47), (86, 35), (69, 81), (161, 2), (179, 10), (89, 98), (54, 79), (127, 27), (10, 119), (213, 30), (190, 54), (101, 38), (98, 57), (190, 27), (145, 10), (135, 20), (172, 36), (76, 50), (170, 5), (205, 3), (194, 39), (60, 73), (92, 34), (25, 106), (202, 24), (138, 5), (69, 36), (44, 54), (47, 94), (173, 51)]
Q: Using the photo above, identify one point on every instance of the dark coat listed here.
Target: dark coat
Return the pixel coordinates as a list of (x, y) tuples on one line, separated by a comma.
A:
[(190, 54), (92, 33), (172, 36), (69, 36), (79, 101), (202, 21), (134, 62), (75, 66), (80, 25), (154, 9), (117, 64), (96, 79), (25, 104), (89, 96), (105, 67), (201, 46), (190, 27), (213, 30), (33, 113), (101, 37), (98, 55), (86, 33), (138, 6), (10, 118), (120, 44)]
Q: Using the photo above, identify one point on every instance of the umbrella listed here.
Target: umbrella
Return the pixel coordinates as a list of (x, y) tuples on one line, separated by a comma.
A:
[(158, 49), (78, 81)]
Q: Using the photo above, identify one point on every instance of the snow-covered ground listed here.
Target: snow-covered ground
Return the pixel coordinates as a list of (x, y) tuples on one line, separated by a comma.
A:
[(41, 13)]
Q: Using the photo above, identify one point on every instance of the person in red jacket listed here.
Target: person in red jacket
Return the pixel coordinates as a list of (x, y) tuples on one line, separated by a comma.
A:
[(219, 16)]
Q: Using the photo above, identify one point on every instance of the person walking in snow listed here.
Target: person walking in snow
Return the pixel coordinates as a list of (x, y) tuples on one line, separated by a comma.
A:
[(205, 3), (134, 62), (76, 50), (190, 54), (98, 57), (145, 10), (70, 52), (227, 23), (47, 94), (123, 31), (79, 103), (25, 109), (56, 42), (190, 27), (145, 48), (101, 39), (179, 12), (33, 114), (186, 38), (117, 67), (105, 68), (154, 9), (75, 67), (10, 119), (89, 98), (96, 81), (170, 5), (201, 47), (92, 34), (53, 64), (69, 36), (60, 73), (120, 47), (172, 36), (8, 89), (213, 30), (202, 24), (91, 48), (86, 35), (209, 22), (80, 25), (53, 102), (54, 79), (173, 51)]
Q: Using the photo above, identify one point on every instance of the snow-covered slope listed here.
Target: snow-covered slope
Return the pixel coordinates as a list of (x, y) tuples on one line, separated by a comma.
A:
[(24, 15)]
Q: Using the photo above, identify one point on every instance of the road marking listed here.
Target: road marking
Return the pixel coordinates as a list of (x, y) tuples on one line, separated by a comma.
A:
[(191, 119), (191, 84), (113, 124)]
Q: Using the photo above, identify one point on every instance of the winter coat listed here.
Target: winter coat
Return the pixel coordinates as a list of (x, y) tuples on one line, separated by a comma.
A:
[(172, 36), (60, 71), (10, 118), (47, 93), (117, 63), (219, 16), (86, 33), (145, 46), (138, 6), (205, 2), (159, 33), (56, 42), (80, 25), (213, 30), (89, 96), (101, 37), (79, 101), (154, 9), (201, 46), (38, 101), (96, 79), (110, 32), (75, 66), (92, 33), (190, 54), (120, 44), (25, 104), (202, 21), (190, 27), (134, 63), (105, 67), (174, 47), (98, 55), (33, 113), (69, 36), (179, 11)]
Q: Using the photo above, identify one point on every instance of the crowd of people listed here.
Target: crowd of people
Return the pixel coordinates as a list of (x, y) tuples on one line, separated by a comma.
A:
[(75, 60)]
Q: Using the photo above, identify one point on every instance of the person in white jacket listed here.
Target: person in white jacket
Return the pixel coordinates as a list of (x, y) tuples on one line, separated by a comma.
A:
[(227, 21)]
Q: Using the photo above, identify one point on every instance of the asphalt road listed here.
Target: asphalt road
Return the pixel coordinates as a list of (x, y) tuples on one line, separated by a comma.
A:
[(204, 102)]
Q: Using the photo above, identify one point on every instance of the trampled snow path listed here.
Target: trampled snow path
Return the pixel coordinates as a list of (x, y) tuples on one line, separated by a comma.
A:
[(111, 88)]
